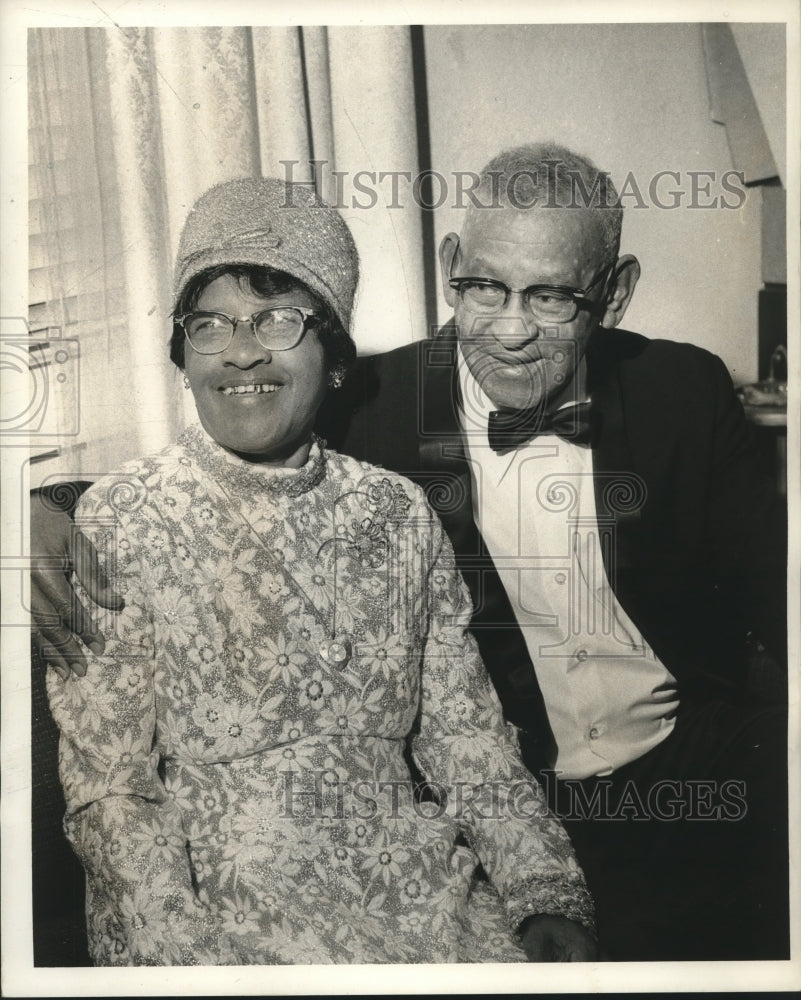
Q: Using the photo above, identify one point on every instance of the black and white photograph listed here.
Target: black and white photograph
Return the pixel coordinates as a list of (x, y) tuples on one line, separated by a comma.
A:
[(401, 550)]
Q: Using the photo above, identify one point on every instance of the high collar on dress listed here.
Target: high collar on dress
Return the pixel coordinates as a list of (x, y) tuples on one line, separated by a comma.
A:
[(249, 477)]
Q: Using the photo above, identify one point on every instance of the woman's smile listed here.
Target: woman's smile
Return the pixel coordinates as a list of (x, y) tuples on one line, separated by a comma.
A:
[(249, 389)]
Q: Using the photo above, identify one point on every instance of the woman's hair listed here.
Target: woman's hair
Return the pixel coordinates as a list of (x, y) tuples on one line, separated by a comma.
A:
[(339, 349)]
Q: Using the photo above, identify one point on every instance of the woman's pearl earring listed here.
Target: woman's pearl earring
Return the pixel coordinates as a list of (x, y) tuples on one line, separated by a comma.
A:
[(186, 382)]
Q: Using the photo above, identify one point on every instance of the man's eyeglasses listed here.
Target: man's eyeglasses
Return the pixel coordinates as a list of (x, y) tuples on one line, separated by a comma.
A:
[(278, 329), (549, 303)]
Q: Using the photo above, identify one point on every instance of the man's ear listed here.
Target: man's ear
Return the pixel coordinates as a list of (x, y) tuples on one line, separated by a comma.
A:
[(621, 289), (447, 251)]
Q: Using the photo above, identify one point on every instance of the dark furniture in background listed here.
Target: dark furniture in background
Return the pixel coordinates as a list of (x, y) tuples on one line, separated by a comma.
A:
[(59, 926), (770, 425)]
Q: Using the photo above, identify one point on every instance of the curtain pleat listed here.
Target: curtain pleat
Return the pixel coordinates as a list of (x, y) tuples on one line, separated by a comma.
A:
[(281, 101), (134, 102), (373, 112), (76, 264), (318, 90), (206, 112)]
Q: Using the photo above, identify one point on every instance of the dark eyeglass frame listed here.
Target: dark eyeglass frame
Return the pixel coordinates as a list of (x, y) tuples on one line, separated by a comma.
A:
[(578, 296), (308, 318)]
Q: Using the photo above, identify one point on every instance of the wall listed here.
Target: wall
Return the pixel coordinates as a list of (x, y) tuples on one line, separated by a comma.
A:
[(761, 48), (633, 98)]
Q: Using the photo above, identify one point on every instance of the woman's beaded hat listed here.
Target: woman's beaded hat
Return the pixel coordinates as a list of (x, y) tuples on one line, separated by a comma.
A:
[(272, 223)]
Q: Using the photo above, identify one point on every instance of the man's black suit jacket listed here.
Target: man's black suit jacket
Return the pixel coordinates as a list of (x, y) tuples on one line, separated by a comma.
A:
[(695, 538)]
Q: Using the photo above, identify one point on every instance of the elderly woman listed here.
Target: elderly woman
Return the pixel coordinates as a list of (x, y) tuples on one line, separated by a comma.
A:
[(236, 764)]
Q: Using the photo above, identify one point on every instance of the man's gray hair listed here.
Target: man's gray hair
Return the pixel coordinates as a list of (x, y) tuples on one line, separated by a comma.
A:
[(545, 174)]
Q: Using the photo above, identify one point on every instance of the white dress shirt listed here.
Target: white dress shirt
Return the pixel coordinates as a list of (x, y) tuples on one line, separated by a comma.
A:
[(609, 698)]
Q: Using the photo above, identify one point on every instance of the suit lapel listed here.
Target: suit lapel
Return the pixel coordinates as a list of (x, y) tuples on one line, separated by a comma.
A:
[(441, 440), (447, 477), (441, 445), (619, 492)]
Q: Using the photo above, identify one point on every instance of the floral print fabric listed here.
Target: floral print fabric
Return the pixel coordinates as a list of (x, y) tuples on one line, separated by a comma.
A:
[(236, 798)]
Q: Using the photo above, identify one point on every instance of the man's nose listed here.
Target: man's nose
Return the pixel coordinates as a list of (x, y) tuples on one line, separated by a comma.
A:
[(514, 326)]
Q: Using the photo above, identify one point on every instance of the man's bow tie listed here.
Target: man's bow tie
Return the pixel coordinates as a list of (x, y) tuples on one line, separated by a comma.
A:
[(508, 429)]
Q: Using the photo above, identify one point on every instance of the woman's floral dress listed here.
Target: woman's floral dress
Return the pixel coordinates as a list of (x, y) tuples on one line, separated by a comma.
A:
[(239, 793)]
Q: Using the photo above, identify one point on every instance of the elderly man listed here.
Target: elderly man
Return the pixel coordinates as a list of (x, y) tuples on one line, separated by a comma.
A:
[(600, 492)]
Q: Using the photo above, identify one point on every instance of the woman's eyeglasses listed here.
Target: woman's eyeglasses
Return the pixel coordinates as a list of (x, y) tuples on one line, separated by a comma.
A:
[(278, 329)]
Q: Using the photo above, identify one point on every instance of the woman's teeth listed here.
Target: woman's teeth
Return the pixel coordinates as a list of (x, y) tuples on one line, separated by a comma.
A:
[(241, 390)]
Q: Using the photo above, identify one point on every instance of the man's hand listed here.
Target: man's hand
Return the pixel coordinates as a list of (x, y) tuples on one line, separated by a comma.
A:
[(550, 938), (56, 612)]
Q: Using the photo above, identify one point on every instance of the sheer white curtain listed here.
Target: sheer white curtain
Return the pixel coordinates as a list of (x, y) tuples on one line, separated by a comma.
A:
[(129, 126)]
